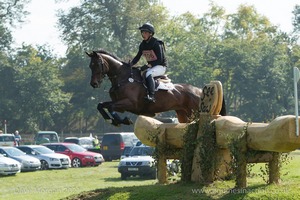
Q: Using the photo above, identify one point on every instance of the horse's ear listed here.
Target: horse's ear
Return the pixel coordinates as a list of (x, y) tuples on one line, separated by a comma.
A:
[(89, 55), (95, 53)]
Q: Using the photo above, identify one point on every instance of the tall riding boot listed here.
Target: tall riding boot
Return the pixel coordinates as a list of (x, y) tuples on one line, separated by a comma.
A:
[(151, 89)]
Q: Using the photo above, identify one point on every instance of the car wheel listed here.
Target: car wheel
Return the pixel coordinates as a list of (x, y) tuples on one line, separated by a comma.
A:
[(76, 162), (123, 176), (44, 165)]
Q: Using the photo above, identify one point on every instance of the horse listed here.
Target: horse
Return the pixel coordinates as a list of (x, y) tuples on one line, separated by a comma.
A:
[(128, 90)]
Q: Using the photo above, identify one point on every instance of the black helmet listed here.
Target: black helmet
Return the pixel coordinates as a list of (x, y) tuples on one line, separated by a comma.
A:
[(147, 27)]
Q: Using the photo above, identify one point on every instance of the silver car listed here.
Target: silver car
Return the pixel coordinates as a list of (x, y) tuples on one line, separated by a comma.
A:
[(49, 159), (9, 166), (7, 140), (28, 163)]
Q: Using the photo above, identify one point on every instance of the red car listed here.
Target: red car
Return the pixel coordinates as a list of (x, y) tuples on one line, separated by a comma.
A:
[(79, 156)]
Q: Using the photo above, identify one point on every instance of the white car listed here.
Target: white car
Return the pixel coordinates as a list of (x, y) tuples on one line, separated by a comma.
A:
[(28, 163), (140, 162), (49, 159), (7, 140), (9, 166)]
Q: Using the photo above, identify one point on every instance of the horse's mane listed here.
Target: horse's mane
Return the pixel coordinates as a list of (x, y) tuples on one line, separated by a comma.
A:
[(112, 55)]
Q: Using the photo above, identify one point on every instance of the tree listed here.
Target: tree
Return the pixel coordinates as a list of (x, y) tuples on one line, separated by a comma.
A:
[(296, 19), (11, 13), (108, 24), (251, 61), (38, 89)]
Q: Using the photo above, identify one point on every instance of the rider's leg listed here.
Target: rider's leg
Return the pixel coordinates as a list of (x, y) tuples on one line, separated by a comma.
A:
[(152, 72), (151, 88)]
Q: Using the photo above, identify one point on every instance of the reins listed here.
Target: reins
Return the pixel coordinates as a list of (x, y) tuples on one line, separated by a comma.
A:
[(115, 76)]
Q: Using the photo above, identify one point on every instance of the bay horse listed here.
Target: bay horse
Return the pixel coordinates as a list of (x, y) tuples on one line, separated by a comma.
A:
[(127, 92)]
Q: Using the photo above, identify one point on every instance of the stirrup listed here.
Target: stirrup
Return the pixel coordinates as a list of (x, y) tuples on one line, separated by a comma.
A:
[(150, 99)]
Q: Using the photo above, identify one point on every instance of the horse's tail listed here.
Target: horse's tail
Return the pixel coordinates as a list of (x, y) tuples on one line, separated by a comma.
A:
[(223, 111)]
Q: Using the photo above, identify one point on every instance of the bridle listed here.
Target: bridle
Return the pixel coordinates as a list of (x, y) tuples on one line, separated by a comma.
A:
[(102, 65), (101, 70)]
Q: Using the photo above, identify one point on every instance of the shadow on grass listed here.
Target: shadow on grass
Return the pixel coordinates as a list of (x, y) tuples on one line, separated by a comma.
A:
[(171, 191), (136, 178), (148, 192)]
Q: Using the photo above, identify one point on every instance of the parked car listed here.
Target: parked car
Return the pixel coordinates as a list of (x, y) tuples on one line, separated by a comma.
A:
[(28, 163), (126, 152), (85, 142), (46, 137), (140, 162), (9, 166), (7, 139), (79, 156), (49, 159), (113, 144)]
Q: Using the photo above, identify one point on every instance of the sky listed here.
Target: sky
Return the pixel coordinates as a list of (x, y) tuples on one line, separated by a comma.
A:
[(41, 25)]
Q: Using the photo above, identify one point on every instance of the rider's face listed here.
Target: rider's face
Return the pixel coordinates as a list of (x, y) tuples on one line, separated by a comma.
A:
[(146, 35)]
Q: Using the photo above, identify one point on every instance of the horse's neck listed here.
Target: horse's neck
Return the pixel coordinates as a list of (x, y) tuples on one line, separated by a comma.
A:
[(113, 65), (118, 73)]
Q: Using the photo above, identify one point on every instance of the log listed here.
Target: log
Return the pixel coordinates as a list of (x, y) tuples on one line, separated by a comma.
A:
[(277, 136), (148, 129)]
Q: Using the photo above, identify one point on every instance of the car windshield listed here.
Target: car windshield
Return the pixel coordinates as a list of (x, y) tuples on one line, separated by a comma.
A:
[(14, 152), (76, 148), (7, 138), (127, 150), (85, 141), (43, 150), (129, 140), (142, 151), (71, 140), (47, 138)]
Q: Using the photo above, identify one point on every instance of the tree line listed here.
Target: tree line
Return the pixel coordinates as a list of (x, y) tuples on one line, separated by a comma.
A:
[(252, 58)]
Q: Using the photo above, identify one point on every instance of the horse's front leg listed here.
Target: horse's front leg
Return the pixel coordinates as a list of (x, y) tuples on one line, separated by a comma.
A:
[(116, 120), (104, 114)]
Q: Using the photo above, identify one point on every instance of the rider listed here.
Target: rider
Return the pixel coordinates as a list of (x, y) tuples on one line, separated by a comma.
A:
[(153, 51)]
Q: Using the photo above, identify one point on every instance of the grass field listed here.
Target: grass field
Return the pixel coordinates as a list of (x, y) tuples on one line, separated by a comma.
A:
[(103, 182)]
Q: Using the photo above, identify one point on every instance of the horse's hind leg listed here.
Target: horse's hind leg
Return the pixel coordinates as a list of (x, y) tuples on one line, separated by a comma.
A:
[(182, 116)]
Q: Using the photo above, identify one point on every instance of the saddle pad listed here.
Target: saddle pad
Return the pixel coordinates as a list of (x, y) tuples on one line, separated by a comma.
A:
[(165, 86)]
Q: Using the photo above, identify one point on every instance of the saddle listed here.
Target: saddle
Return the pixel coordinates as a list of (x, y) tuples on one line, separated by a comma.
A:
[(161, 82)]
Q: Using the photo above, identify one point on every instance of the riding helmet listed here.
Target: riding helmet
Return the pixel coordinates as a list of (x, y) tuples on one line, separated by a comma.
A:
[(147, 27)]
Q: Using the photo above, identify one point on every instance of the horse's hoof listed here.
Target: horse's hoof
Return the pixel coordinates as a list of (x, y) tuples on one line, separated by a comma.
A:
[(110, 121), (115, 123), (127, 121)]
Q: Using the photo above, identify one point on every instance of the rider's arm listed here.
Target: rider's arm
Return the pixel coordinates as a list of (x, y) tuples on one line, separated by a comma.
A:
[(138, 56)]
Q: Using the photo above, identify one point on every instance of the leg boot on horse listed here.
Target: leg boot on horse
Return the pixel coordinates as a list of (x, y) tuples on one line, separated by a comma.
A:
[(151, 89)]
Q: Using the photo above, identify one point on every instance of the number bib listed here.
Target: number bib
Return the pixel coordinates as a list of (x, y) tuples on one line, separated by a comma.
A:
[(149, 55)]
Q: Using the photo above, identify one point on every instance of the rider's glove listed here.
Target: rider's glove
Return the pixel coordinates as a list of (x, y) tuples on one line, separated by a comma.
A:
[(144, 67)]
